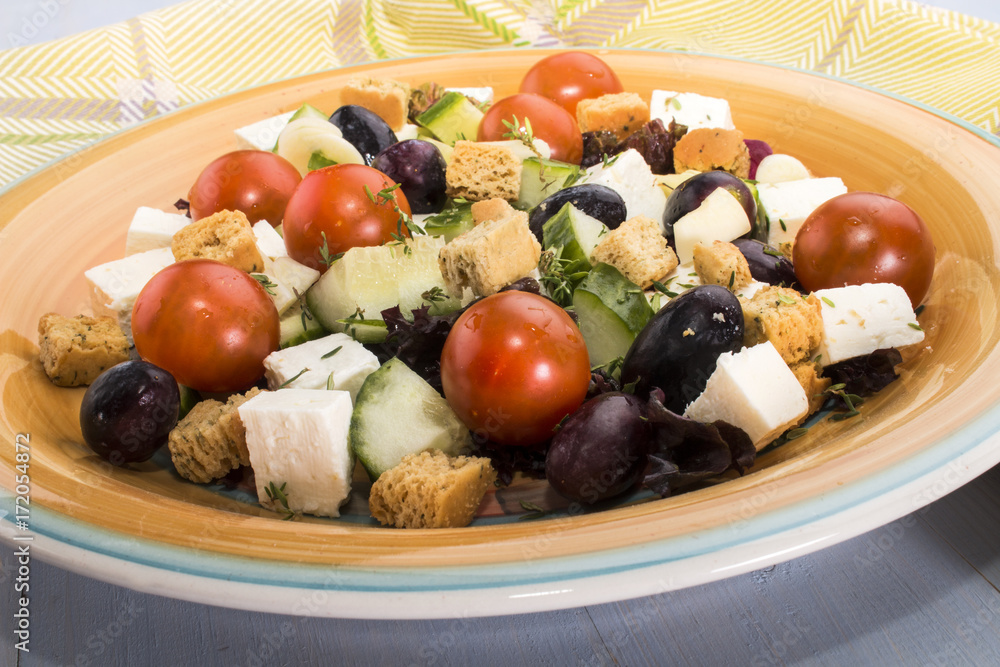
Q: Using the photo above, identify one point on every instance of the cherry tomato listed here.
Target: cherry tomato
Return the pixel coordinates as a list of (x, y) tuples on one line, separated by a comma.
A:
[(566, 78), (206, 323), (864, 237), (513, 366), (258, 183), (549, 121), (332, 204)]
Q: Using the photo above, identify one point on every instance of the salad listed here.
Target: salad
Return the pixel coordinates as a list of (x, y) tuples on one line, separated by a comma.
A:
[(602, 290)]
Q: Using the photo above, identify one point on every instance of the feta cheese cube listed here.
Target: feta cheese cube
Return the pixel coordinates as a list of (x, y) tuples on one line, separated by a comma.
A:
[(755, 390), (287, 279), (788, 204), (720, 217), (262, 135), (690, 109), (348, 366), (631, 177), (409, 131), (297, 438), (152, 228), (115, 285), (269, 241), (859, 319)]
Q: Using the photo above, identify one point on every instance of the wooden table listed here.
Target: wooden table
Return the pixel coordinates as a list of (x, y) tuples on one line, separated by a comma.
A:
[(920, 591)]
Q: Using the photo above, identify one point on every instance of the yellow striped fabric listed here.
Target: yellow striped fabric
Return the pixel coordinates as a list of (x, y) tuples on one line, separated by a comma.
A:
[(58, 96)]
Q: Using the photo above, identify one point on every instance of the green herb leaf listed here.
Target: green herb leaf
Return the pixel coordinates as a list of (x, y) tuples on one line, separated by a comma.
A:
[(332, 352), (265, 282), (293, 378)]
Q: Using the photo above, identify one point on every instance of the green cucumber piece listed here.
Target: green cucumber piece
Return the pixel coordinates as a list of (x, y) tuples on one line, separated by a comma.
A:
[(576, 233), (189, 398), (398, 413), (365, 331), (611, 311), (298, 325), (541, 178), (452, 118), (307, 111), (451, 222)]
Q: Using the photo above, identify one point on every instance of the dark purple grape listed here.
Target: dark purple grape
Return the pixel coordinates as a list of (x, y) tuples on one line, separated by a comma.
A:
[(767, 264), (128, 411), (758, 151), (363, 129), (600, 451), (597, 201), (678, 349), (419, 168), (690, 194)]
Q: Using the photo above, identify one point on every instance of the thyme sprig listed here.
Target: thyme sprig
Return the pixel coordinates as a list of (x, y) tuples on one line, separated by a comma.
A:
[(851, 401), (265, 282), (278, 496)]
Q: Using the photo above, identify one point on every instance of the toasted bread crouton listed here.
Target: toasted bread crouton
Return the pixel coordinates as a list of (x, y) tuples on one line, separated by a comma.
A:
[(807, 373), (75, 350), (621, 113), (480, 171), (490, 209), (489, 256), (638, 250), (781, 315), (211, 440), (225, 236), (431, 490), (722, 263), (710, 148), (388, 99)]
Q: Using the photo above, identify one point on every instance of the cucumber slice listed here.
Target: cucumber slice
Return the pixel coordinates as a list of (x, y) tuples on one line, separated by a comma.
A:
[(298, 325), (611, 310), (451, 118), (398, 413), (364, 331), (576, 233), (189, 398), (451, 222), (374, 278), (317, 142), (308, 111), (541, 178)]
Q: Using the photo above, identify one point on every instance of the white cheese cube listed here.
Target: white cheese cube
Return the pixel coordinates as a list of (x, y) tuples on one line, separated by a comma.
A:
[(262, 135), (287, 279), (690, 109), (152, 228), (115, 285), (408, 131), (297, 438), (788, 204), (269, 241), (483, 95), (859, 319), (755, 390), (349, 366), (720, 217), (751, 288), (678, 281), (631, 177)]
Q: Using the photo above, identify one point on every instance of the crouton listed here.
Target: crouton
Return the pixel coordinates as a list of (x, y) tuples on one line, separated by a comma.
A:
[(431, 490), (781, 315), (388, 99), (480, 171), (621, 113), (489, 256), (490, 209), (638, 250), (807, 373), (210, 440), (722, 263), (75, 350), (708, 148), (225, 236)]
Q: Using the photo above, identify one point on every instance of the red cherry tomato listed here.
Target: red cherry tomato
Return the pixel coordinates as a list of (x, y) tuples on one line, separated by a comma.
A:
[(864, 237), (258, 183), (567, 78), (332, 203), (549, 121), (513, 366), (206, 323)]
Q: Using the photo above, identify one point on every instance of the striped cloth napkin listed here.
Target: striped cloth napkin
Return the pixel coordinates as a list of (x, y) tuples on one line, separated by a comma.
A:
[(58, 96)]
